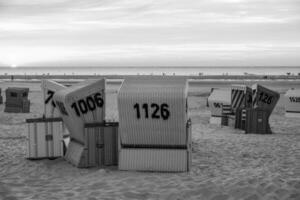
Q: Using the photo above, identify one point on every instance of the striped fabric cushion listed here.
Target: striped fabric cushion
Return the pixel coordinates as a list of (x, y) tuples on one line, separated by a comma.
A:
[(243, 115), (237, 98), (226, 110)]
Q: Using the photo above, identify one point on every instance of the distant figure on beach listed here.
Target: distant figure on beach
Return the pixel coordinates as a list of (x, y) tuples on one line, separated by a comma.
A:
[(12, 77)]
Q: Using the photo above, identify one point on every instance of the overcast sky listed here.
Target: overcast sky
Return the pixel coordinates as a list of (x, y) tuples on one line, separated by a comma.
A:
[(150, 33)]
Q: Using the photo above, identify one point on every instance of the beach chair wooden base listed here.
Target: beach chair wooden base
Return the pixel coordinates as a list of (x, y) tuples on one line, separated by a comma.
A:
[(99, 149), (13, 109), (215, 120), (45, 138), (42, 158), (156, 160), (231, 121), (76, 154), (257, 121), (292, 115)]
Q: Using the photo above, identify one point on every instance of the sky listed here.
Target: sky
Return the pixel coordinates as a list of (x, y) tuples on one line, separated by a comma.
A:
[(149, 33)]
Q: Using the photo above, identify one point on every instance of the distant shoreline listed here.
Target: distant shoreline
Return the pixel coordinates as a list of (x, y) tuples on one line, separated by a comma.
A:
[(120, 72), (200, 77)]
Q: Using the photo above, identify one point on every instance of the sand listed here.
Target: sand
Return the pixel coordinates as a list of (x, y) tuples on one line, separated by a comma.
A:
[(227, 164)]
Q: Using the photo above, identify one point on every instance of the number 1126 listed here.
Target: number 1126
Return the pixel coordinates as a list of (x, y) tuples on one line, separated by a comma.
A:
[(157, 111)]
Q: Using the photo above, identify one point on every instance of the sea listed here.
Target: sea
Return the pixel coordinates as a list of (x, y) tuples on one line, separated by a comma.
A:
[(193, 71)]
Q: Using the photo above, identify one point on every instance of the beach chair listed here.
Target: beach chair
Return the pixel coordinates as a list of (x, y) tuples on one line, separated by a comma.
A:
[(256, 118), (292, 103), (17, 100), (216, 100), (154, 130), (80, 104)]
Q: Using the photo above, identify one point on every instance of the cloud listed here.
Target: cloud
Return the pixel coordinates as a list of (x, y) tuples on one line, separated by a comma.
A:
[(146, 30)]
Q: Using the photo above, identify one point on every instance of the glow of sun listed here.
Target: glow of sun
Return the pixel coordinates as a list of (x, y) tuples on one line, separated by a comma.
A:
[(13, 66)]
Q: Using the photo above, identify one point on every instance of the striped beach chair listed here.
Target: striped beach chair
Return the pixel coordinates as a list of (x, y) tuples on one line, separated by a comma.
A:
[(241, 97)]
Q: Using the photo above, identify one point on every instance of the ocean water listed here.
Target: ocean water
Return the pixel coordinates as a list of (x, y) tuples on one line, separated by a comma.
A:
[(149, 70)]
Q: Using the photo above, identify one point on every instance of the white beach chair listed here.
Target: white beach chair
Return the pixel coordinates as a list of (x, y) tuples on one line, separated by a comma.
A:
[(155, 134)]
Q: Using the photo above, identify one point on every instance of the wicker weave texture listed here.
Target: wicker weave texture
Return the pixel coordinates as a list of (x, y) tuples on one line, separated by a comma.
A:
[(153, 111)]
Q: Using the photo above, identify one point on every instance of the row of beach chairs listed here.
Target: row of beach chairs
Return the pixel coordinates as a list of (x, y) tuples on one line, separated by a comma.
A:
[(243, 107), (153, 132)]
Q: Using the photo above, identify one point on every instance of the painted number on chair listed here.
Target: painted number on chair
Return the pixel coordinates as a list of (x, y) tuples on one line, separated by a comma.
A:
[(153, 111), (90, 103), (265, 98), (217, 105), (295, 99), (62, 108), (49, 98)]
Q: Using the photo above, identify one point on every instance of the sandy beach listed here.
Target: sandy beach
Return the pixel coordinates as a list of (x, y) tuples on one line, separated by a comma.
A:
[(227, 164)]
